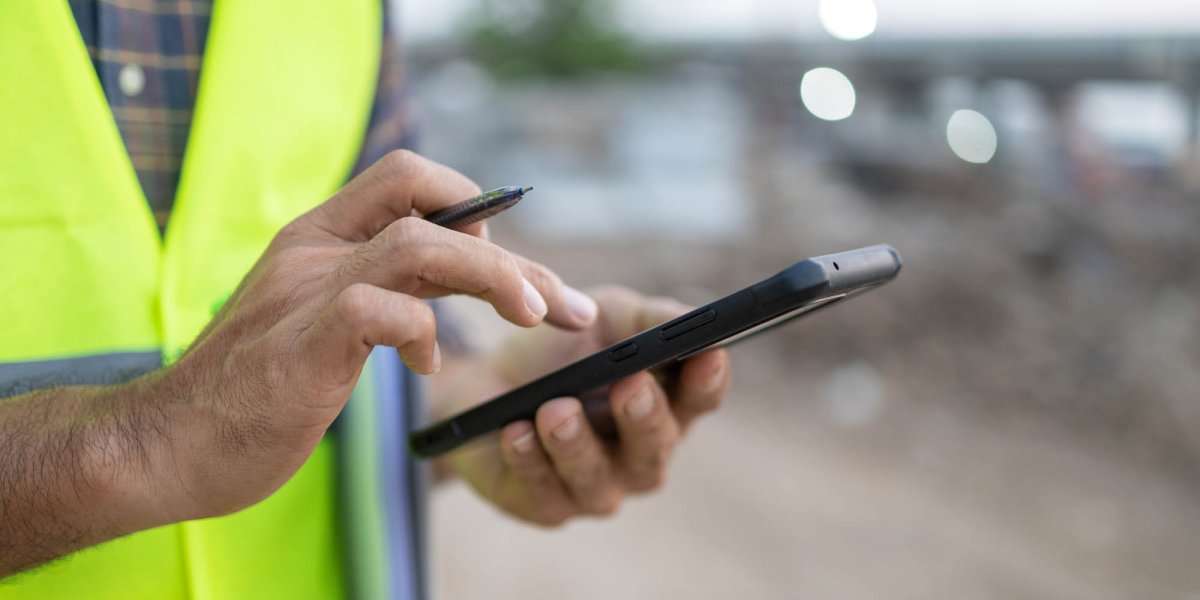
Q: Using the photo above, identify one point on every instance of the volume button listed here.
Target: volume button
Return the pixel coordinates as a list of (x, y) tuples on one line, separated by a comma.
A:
[(678, 328)]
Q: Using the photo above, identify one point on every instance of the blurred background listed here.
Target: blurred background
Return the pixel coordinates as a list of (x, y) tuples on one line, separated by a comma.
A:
[(1017, 416)]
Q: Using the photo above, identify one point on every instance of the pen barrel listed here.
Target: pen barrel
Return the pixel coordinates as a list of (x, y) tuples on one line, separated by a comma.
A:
[(476, 209)]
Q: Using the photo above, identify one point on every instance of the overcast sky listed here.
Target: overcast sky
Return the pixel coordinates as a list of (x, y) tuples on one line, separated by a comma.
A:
[(740, 19)]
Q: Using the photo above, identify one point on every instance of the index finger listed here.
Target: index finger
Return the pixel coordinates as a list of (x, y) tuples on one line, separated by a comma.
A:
[(396, 185)]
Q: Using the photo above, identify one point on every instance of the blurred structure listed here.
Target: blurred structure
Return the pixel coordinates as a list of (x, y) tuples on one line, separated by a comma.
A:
[(548, 38), (1017, 416)]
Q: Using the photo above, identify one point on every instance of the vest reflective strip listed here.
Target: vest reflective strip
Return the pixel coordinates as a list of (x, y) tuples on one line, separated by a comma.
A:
[(98, 369)]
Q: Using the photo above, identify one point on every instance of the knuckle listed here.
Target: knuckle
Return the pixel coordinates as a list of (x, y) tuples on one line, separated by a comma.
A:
[(274, 274), (532, 472), (653, 430), (657, 460), (424, 320), (607, 505), (283, 274), (648, 469), (423, 257), (575, 457), (713, 403), (553, 518), (290, 257), (275, 374), (700, 402), (354, 303), (286, 234), (589, 475), (650, 481), (507, 265), (399, 162), (404, 232), (543, 276)]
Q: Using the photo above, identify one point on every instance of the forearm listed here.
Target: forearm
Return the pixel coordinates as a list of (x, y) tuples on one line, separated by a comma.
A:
[(75, 467)]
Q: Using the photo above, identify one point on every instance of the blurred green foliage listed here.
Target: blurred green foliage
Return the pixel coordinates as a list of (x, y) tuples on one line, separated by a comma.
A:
[(548, 38)]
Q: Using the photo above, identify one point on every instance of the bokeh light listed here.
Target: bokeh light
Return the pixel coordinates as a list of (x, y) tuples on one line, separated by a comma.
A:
[(848, 19), (971, 136), (827, 94)]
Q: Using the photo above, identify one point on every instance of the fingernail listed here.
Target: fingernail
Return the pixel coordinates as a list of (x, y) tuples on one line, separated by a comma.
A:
[(437, 357), (714, 380), (581, 306), (533, 300), (569, 429), (524, 443), (641, 405)]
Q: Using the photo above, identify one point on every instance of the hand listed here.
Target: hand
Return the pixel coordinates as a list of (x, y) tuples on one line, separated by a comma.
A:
[(255, 394), (560, 466), (244, 407)]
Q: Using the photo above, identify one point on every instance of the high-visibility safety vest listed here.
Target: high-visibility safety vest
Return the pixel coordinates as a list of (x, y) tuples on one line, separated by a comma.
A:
[(90, 293)]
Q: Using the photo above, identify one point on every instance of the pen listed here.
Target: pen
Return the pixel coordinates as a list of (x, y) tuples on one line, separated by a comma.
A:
[(473, 210)]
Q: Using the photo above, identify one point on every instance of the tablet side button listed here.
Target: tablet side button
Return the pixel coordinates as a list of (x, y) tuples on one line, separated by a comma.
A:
[(622, 352)]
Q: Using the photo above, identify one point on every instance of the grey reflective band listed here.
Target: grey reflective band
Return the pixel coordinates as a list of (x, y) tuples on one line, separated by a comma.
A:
[(97, 369)]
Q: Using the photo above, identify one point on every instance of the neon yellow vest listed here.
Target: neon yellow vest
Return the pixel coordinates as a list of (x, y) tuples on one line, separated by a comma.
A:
[(283, 102)]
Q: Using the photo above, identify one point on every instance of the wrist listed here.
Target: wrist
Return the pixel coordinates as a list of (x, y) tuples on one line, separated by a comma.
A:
[(77, 471), (135, 460)]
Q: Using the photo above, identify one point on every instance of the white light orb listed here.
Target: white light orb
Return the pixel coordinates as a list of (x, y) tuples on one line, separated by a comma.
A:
[(827, 94), (848, 19), (971, 136)]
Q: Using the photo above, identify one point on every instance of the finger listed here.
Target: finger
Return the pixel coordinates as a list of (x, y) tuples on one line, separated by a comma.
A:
[(416, 257), (568, 307), (363, 316), (533, 472), (624, 312), (647, 429), (392, 189), (703, 382), (578, 455)]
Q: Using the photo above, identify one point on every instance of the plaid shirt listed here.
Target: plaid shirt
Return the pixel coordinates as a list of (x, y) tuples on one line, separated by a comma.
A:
[(147, 54)]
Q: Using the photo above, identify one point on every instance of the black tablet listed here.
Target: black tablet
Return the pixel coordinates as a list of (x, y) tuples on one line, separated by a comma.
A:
[(797, 290)]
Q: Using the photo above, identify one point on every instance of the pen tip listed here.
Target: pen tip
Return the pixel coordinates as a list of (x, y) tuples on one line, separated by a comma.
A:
[(525, 190)]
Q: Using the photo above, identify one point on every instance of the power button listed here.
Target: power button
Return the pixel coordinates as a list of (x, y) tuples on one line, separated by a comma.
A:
[(622, 352)]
